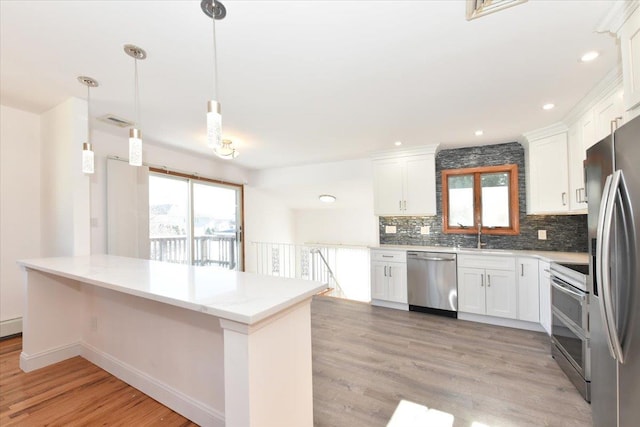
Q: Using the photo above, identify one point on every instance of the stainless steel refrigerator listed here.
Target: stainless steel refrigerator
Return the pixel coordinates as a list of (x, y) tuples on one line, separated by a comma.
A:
[(612, 172)]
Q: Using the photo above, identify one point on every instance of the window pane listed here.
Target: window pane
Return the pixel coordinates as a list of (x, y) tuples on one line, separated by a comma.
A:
[(215, 226), (460, 200), (168, 219), (495, 199)]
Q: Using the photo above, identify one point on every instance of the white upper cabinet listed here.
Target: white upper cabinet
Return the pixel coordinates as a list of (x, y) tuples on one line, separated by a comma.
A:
[(577, 155), (630, 51), (608, 109), (547, 171), (405, 182)]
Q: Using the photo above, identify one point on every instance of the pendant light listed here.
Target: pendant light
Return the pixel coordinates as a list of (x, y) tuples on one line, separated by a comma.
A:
[(216, 10), (135, 135), (87, 152)]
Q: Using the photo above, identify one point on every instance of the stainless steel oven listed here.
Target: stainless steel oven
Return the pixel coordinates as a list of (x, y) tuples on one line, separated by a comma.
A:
[(570, 326)]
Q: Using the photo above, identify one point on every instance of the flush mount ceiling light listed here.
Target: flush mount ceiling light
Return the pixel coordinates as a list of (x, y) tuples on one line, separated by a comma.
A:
[(135, 135), (478, 8), (397, 143), (215, 10), (87, 152), (327, 198), (589, 56), (548, 106), (226, 151), (479, 132)]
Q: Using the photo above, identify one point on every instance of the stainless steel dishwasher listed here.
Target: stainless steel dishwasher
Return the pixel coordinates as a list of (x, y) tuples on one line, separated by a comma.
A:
[(432, 283)]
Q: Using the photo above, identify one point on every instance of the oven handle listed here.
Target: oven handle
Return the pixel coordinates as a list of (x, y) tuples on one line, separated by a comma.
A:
[(565, 289)]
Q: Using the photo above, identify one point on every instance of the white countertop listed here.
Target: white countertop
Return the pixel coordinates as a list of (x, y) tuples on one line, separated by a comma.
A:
[(242, 297), (572, 257)]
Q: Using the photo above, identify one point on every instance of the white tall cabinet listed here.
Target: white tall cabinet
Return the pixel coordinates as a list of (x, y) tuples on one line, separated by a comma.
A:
[(405, 182)]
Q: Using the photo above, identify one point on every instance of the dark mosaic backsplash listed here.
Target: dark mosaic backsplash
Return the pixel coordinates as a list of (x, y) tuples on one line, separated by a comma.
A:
[(566, 233)]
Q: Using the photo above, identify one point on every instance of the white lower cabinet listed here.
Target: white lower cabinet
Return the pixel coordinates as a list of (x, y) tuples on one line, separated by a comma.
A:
[(389, 278), (528, 289), (545, 295), (490, 291)]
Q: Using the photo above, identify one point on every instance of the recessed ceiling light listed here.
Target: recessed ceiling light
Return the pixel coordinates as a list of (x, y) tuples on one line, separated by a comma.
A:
[(327, 198), (589, 56), (479, 132), (548, 106), (397, 143)]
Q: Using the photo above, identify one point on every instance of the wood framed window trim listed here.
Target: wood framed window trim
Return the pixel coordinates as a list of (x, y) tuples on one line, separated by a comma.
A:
[(514, 205)]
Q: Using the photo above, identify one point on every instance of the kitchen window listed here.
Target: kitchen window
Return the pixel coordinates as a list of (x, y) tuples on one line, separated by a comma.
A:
[(194, 220), (485, 197)]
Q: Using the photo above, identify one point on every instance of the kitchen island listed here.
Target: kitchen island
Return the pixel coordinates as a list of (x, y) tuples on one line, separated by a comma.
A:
[(219, 347)]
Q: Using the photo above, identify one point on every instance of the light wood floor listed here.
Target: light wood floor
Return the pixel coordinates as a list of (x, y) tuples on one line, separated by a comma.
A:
[(365, 360)]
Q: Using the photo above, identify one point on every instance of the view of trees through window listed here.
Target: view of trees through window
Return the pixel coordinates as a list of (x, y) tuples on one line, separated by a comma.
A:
[(194, 222)]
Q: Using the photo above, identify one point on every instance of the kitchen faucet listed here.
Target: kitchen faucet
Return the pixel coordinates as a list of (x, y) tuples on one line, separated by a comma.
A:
[(480, 244)]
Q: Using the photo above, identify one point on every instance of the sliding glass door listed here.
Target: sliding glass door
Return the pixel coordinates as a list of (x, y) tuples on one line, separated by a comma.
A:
[(195, 221)]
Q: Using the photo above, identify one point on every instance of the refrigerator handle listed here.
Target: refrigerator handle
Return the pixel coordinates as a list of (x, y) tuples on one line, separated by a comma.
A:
[(600, 250), (617, 180)]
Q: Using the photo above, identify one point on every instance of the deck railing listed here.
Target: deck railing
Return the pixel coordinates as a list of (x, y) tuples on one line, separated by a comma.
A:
[(218, 250), (345, 269)]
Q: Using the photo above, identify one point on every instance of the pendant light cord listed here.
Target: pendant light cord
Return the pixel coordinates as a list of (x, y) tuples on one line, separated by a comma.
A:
[(215, 55), (136, 95), (88, 114)]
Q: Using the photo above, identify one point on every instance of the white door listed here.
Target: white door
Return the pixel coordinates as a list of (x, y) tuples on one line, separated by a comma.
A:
[(379, 280), (501, 293), (528, 292), (397, 275), (387, 175), (471, 290), (419, 191)]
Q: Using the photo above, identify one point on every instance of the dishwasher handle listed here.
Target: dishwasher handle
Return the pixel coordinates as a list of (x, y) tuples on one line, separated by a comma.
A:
[(429, 257)]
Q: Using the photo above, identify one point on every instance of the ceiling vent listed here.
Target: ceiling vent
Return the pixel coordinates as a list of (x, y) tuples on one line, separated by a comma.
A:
[(115, 121), (478, 8)]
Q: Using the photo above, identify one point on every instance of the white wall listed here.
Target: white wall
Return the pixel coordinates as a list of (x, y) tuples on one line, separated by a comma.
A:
[(65, 197), (19, 208), (266, 219), (351, 226), (350, 220)]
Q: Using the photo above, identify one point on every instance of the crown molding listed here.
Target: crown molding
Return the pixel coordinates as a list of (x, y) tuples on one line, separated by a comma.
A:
[(620, 11), (389, 154), (545, 132), (608, 84)]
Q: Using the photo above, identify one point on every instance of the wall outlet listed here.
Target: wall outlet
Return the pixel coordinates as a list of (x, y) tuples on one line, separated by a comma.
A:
[(94, 324), (542, 234), (390, 229), (425, 229)]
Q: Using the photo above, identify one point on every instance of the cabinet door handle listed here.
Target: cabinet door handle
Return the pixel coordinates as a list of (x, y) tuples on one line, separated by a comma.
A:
[(522, 270), (482, 281), (399, 205), (488, 280), (385, 271), (389, 271), (405, 205), (564, 199), (387, 256)]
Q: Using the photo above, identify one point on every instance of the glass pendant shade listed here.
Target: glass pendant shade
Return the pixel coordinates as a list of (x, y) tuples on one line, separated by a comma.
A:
[(214, 125), (135, 147), (87, 158)]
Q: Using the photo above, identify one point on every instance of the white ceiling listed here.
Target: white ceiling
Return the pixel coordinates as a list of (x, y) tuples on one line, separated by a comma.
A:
[(309, 81)]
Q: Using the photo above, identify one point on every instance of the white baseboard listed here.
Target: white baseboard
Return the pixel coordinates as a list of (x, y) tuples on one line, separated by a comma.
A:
[(10, 327), (31, 362), (190, 408), (499, 321)]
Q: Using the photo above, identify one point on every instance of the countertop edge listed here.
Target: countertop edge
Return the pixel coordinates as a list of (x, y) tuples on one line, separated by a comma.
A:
[(548, 256)]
